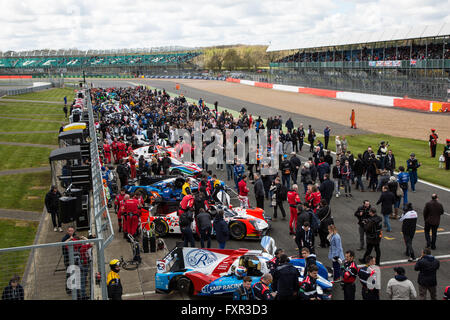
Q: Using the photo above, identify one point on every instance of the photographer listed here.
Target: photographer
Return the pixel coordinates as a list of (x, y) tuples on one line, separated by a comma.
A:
[(362, 213)]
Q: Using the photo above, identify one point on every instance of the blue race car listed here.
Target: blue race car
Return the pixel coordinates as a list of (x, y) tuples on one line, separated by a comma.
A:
[(212, 272), (164, 190)]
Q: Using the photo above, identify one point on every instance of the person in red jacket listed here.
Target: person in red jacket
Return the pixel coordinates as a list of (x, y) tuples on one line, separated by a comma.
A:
[(132, 163), (122, 150), (129, 149), (107, 152), (115, 150), (117, 206), (294, 201), (313, 197), (132, 209), (243, 192)]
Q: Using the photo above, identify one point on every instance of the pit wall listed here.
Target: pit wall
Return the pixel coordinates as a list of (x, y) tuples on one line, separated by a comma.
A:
[(379, 100)]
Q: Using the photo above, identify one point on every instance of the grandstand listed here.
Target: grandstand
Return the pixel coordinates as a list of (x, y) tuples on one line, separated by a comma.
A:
[(95, 62), (412, 62)]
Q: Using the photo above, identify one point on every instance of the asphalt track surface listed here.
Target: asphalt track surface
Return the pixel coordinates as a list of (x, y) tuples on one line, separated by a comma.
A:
[(392, 245)]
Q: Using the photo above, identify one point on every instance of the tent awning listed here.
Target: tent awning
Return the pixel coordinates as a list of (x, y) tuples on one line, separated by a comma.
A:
[(71, 134), (68, 153)]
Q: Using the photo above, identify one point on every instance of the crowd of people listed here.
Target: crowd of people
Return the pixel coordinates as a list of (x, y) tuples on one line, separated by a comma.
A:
[(155, 115), (416, 52)]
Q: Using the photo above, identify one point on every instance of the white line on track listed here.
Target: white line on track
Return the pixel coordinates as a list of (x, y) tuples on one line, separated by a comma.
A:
[(129, 295), (405, 260)]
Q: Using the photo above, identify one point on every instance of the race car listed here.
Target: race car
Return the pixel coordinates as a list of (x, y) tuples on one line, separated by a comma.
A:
[(213, 272), (242, 223), (177, 166), (164, 190)]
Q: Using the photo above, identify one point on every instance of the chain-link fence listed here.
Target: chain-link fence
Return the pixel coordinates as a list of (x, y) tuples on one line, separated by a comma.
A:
[(74, 269), (54, 271)]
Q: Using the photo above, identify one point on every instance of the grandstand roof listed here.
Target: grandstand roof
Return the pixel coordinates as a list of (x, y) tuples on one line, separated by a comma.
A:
[(413, 32), (72, 52)]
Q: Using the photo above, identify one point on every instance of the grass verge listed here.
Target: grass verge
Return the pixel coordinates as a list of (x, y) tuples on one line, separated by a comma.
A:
[(15, 233), (12, 125), (38, 138), (402, 148), (18, 157), (25, 108), (55, 94), (24, 191)]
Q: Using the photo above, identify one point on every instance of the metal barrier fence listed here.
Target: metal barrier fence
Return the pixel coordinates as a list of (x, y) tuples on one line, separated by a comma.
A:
[(62, 270), (412, 85)]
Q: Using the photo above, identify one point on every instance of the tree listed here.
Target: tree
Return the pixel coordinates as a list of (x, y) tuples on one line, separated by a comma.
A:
[(231, 59)]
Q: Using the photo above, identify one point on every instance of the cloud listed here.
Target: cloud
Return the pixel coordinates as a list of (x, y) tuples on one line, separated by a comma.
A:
[(112, 24)]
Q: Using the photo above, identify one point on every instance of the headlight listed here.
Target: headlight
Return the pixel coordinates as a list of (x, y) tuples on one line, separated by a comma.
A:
[(258, 224)]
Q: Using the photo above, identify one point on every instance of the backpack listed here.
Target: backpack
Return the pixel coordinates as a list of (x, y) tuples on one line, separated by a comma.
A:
[(315, 222)]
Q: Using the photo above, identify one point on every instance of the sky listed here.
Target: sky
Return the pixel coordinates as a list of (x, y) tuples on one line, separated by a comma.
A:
[(116, 24)]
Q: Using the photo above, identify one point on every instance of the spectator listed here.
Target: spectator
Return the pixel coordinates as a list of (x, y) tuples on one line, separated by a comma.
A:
[(285, 279), (432, 216), (362, 214), (372, 228), (243, 192), (409, 221), (326, 188), (412, 165), (52, 205), (399, 287), (305, 237), (259, 191), (204, 227), (337, 177), (427, 265), (346, 174), (279, 192), (358, 172), (403, 179), (336, 253), (324, 215), (13, 291), (186, 219), (221, 229), (387, 200), (295, 167), (244, 291)]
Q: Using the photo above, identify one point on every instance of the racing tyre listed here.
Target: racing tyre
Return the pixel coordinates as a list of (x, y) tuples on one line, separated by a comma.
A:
[(161, 227), (237, 230), (184, 285)]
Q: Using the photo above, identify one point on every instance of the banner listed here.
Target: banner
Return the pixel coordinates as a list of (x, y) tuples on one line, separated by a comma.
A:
[(395, 63)]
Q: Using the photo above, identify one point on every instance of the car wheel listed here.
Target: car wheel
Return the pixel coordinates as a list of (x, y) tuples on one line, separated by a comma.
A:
[(184, 285), (161, 227), (237, 230)]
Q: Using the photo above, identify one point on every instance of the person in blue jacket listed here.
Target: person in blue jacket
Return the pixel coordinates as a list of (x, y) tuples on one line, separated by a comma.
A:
[(403, 179), (412, 165), (239, 171)]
